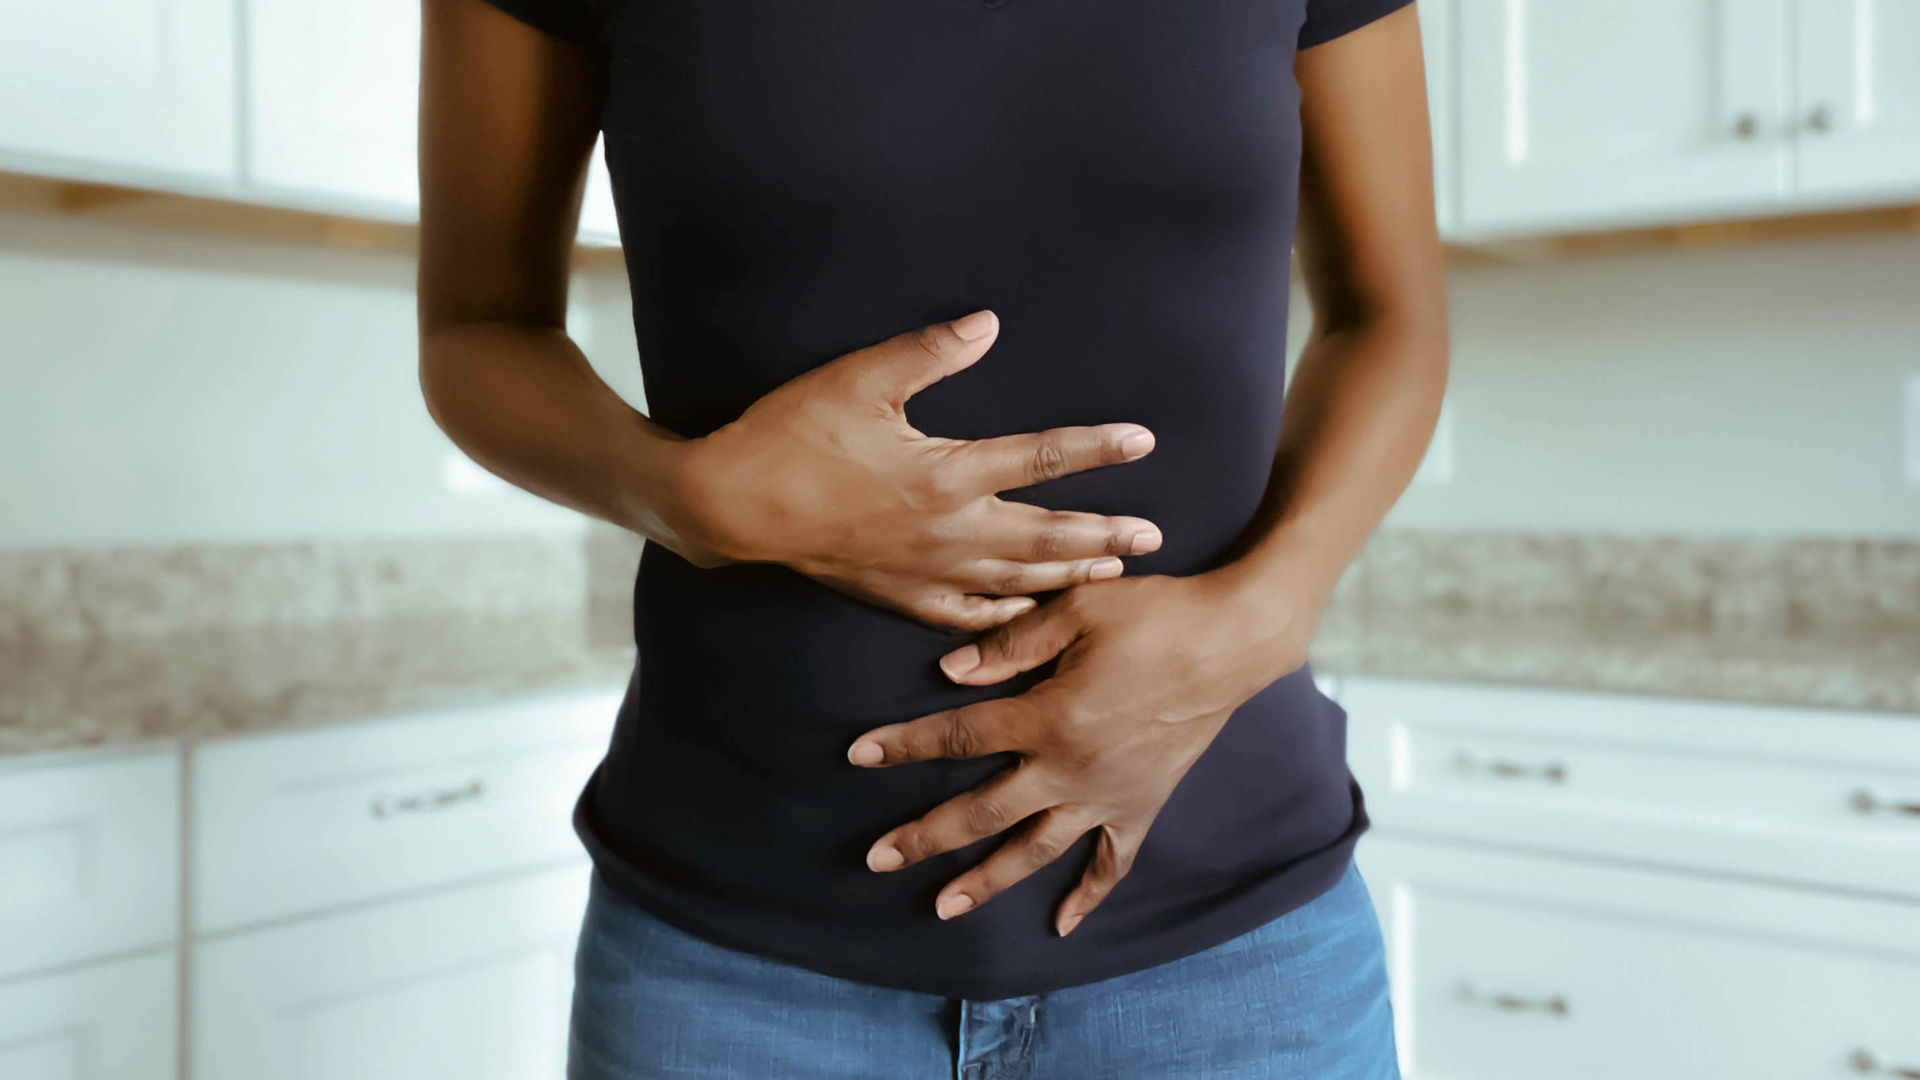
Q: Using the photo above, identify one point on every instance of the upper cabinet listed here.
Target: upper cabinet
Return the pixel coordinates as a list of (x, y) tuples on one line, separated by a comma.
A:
[(331, 94), (1584, 115), (1437, 41), (332, 118), (132, 90), (1858, 114), (1577, 114)]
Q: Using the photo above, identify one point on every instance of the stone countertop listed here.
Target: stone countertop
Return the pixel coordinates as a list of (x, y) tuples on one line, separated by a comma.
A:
[(1842, 669), (67, 695)]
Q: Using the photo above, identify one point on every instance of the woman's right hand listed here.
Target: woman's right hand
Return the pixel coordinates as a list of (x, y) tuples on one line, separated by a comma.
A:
[(825, 475)]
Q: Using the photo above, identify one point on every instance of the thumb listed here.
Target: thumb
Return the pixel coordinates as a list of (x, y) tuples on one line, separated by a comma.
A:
[(1020, 644), (903, 365)]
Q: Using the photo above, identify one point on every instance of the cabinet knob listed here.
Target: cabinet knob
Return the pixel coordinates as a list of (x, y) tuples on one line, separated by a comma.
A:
[(1866, 1064), (1866, 802), (1746, 127), (1820, 118), (1552, 772), (385, 806), (1552, 1005)]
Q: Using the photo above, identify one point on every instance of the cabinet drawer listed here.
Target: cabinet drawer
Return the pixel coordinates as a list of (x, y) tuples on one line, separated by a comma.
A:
[(89, 856), (472, 982), (1515, 968), (301, 821), (1803, 795), (108, 1021)]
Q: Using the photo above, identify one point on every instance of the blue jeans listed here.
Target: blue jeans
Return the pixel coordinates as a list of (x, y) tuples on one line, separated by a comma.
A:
[(1304, 996)]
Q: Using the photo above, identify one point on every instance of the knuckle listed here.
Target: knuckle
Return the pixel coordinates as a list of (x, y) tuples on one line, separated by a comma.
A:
[(1047, 462), (931, 341), (956, 736), (1011, 583), (1049, 543), (986, 816), (1044, 848)]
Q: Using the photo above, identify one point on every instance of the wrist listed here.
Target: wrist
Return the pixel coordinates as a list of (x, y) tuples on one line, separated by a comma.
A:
[(1273, 610)]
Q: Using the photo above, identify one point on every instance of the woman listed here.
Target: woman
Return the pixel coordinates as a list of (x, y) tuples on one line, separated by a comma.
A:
[(973, 733)]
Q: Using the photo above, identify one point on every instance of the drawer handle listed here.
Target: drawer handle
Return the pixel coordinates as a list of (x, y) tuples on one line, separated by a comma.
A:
[(1554, 1005), (1866, 1064), (425, 801), (1553, 772), (1865, 802)]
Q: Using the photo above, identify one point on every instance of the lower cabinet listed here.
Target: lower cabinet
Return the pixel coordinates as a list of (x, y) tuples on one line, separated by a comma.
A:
[(1518, 966), (111, 1020), (471, 983)]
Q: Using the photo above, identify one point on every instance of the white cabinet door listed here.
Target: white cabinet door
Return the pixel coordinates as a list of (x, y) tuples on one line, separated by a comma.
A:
[(1437, 41), (112, 1021), (1585, 114), (138, 91), (300, 821), (1859, 99), (1516, 968), (332, 104), (467, 984), (89, 857)]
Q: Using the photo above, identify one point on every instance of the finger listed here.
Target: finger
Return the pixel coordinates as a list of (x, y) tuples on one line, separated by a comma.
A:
[(1040, 840), (1112, 858), (903, 365), (1012, 461), (988, 810), (1022, 644), (1023, 532), (963, 611), (967, 732), (1004, 577)]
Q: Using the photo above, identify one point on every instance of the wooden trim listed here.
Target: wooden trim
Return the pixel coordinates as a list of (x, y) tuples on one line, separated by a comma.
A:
[(220, 217)]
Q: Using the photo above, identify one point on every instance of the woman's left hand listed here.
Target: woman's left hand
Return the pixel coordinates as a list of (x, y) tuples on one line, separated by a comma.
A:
[(1149, 670)]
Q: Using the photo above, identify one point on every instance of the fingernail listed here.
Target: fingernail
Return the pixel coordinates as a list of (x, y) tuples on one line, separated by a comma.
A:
[(1106, 568), (1146, 541), (1019, 605), (974, 326), (1067, 924), (957, 904), (885, 857), (1137, 444), (865, 753), (960, 661)]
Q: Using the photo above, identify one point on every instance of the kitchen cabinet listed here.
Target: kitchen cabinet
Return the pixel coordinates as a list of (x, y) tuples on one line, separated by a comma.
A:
[(1513, 967), (1858, 101), (1593, 886), (474, 983), (1576, 115), (1798, 796), (128, 90), (106, 1021), (302, 821), (332, 116), (89, 857), (332, 92)]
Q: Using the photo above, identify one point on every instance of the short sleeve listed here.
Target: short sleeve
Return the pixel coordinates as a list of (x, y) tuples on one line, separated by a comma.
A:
[(1329, 19), (573, 20)]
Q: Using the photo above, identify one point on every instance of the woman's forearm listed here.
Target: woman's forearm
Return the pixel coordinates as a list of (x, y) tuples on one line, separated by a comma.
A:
[(1360, 410), (521, 399)]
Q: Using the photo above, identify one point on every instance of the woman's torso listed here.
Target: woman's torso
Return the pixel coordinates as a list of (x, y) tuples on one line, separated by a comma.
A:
[(1117, 180)]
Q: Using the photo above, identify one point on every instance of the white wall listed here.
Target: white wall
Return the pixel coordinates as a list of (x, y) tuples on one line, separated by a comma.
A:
[(159, 388), (1748, 391)]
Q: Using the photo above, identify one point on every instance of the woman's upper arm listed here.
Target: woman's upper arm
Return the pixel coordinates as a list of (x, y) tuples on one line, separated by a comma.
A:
[(508, 117), (1367, 241)]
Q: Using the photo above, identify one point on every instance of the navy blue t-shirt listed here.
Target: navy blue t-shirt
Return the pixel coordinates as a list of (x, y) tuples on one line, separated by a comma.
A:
[(796, 179)]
